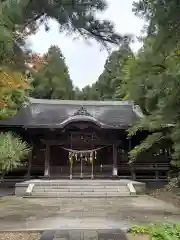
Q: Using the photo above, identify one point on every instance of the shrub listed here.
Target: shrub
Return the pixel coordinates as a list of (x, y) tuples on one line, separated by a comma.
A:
[(173, 183), (159, 231), (13, 151)]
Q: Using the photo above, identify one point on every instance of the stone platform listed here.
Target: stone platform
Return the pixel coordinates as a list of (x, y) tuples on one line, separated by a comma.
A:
[(78, 188)]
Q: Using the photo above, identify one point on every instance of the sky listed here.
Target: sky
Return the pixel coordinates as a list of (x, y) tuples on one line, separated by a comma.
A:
[(86, 61)]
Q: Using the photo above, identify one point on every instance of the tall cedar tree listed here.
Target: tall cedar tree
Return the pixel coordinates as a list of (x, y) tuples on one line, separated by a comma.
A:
[(52, 80), (110, 82), (153, 77)]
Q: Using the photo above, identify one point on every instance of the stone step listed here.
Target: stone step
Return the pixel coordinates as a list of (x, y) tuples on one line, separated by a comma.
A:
[(80, 183), (80, 190), (77, 195), (81, 187)]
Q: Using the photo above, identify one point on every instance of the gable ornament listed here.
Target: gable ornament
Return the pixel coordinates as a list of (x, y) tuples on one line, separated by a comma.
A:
[(82, 111)]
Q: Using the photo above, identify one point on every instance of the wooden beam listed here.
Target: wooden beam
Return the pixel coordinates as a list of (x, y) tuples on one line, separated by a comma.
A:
[(59, 142)]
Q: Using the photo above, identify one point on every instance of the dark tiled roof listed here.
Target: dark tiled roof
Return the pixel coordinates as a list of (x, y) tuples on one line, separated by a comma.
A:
[(58, 113)]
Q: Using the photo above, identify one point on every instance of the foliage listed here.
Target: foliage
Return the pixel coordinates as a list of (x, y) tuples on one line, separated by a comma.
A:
[(12, 41), (20, 18), (145, 145), (152, 81), (13, 82), (88, 93), (12, 152), (108, 85), (162, 19), (113, 74), (159, 231), (73, 16), (51, 79), (173, 183), (13, 88)]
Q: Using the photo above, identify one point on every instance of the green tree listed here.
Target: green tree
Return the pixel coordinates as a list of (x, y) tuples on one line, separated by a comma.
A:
[(110, 82), (155, 87), (73, 16), (162, 20), (113, 75), (52, 80), (79, 16), (153, 77), (20, 18), (88, 93), (160, 92), (13, 151), (13, 81)]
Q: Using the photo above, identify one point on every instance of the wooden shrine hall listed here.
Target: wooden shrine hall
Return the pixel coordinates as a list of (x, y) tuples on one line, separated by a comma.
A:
[(83, 139)]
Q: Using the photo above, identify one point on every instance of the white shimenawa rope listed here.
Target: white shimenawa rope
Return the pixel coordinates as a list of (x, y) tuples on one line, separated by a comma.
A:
[(82, 151)]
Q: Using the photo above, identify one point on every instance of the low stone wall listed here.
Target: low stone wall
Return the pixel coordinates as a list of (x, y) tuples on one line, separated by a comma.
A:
[(20, 188), (10, 183), (140, 187)]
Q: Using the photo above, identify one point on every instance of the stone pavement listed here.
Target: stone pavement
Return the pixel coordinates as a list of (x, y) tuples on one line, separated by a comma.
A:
[(6, 191), (113, 213), (115, 234)]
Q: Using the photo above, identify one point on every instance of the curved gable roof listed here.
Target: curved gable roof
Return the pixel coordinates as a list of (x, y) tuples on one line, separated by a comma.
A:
[(58, 113)]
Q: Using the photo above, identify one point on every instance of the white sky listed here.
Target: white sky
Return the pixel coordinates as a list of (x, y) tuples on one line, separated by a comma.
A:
[(86, 61)]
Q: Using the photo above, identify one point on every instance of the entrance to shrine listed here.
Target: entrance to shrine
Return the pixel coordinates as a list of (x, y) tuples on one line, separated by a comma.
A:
[(80, 164), (82, 156)]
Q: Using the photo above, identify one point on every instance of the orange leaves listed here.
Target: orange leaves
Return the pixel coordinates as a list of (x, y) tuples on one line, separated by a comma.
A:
[(36, 61), (3, 104), (12, 80), (9, 82)]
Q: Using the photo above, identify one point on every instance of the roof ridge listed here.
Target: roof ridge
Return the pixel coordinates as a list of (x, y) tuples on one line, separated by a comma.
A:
[(79, 102)]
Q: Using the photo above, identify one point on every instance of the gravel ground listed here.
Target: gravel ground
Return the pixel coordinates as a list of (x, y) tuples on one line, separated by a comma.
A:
[(19, 236), (170, 197)]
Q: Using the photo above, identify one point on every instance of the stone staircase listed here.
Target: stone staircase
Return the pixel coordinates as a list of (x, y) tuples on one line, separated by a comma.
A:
[(78, 189)]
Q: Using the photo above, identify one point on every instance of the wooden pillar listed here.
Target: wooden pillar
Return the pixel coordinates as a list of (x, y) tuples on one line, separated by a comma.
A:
[(156, 172), (133, 174), (47, 162), (115, 169), (30, 157), (129, 143)]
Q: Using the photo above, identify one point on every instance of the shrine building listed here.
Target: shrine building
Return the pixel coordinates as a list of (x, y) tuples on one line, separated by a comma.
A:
[(83, 140)]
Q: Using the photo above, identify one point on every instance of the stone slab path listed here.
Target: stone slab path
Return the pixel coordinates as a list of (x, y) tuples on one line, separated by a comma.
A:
[(115, 234), (5, 192), (19, 214)]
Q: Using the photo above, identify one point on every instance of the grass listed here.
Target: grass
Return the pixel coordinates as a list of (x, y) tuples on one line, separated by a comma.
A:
[(158, 231)]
